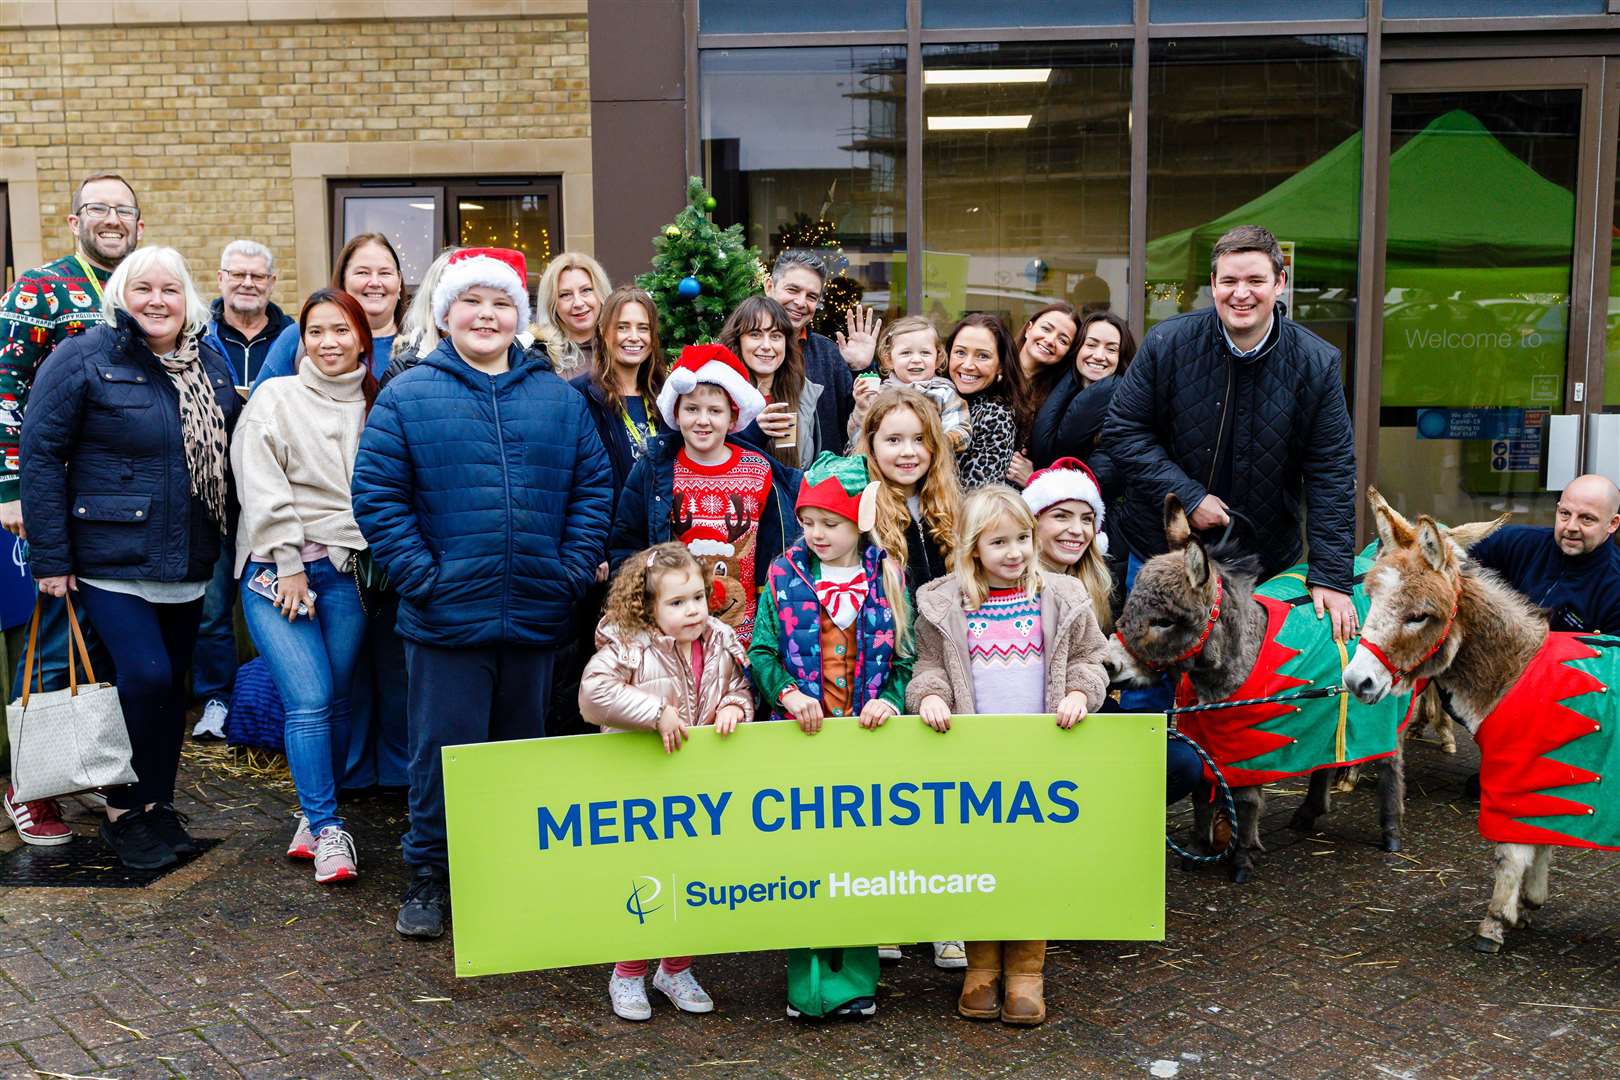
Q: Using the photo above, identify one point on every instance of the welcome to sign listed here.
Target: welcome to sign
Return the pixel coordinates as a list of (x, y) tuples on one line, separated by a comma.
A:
[(599, 848)]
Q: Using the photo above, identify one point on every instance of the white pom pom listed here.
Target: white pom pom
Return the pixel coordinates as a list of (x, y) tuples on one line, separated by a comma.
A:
[(683, 380), (1102, 543)]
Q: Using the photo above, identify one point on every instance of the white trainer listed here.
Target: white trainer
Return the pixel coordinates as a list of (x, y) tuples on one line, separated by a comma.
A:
[(303, 841), (334, 856), (629, 998), (211, 725), (890, 952), (683, 991), (949, 954)]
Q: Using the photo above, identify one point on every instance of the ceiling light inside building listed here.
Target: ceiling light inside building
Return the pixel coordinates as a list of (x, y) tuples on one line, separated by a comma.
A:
[(984, 76), (979, 123), (421, 206)]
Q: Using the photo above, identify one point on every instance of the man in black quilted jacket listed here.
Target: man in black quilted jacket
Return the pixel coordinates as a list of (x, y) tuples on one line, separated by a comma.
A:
[(1237, 407)]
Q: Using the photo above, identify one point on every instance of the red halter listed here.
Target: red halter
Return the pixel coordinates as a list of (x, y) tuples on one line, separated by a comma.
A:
[(1197, 646), (1398, 674)]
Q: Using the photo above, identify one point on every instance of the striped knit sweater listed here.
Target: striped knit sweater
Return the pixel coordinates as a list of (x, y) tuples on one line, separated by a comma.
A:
[(1005, 653)]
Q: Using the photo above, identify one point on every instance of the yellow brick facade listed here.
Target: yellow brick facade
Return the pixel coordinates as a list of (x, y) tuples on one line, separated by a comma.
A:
[(203, 120)]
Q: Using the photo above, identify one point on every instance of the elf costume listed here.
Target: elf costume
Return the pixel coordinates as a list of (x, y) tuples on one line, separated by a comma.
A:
[(1258, 744), (829, 632), (1547, 747), (46, 306)]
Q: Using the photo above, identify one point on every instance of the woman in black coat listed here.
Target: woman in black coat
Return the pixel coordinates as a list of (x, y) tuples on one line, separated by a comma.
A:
[(125, 499)]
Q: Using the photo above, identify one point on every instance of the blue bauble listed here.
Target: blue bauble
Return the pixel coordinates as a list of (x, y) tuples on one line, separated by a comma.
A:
[(689, 287)]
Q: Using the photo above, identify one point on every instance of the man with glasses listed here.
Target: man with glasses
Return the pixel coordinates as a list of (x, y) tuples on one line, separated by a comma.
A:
[(245, 323), (45, 307), (243, 326)]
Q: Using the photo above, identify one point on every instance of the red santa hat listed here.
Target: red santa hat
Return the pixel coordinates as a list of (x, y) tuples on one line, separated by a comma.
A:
[(1066, 479), (719, 366), (491, 268)]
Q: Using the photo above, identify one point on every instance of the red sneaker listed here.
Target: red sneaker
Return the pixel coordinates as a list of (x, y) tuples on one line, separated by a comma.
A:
[(38, 822)]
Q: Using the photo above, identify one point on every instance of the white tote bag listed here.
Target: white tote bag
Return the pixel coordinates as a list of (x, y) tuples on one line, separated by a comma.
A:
[(70, 740)]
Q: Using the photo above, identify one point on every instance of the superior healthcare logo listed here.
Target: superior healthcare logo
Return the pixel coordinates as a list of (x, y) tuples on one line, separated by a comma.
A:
[(839, 886)]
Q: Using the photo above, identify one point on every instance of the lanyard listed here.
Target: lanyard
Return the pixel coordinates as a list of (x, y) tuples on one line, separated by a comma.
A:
[(89, 275), (637, 436)]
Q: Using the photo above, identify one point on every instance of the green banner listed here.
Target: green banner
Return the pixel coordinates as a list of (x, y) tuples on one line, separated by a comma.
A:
[(598, 848)]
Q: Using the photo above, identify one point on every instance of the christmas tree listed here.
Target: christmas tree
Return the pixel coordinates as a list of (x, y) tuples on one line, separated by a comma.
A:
[(699, 273), (842, 292)]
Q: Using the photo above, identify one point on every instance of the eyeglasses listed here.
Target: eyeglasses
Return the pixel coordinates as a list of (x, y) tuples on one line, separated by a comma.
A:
[(237, 277), (102, 210)]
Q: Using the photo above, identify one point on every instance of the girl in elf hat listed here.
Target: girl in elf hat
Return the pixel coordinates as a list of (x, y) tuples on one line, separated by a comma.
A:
[(1032, 645), (833, 640)]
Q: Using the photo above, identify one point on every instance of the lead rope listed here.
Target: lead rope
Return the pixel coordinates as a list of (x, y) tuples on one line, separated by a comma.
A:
[(1222, 788)]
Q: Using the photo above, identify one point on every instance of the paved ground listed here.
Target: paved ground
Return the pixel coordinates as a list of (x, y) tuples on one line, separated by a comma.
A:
[(1338, 961)]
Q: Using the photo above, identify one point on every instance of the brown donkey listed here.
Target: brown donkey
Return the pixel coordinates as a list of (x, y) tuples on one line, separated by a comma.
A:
[(1437, 615), (1198, 613)]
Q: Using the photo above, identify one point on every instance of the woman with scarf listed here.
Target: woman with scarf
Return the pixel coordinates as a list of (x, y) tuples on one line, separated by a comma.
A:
[(124, 480)]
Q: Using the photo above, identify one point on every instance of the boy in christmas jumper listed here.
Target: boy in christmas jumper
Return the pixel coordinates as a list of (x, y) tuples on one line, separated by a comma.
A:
[(832, 639), (1002, 632), (723, 499)]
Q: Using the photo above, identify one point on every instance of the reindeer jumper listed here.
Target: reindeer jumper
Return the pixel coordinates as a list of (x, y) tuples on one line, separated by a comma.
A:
[(1258, 744)]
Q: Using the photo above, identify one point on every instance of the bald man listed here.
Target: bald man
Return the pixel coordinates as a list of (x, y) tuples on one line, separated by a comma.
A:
[(1571, 570)]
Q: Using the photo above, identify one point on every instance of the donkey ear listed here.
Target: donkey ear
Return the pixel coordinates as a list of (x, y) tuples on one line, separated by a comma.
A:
[(1467, 535), (1431, 541), (1393, 530), (1197, 564), (1177, 531)]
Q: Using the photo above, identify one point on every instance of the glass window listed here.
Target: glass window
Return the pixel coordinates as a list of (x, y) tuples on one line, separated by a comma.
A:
[(1202, 11), (949, 14), (1263, 131), (422, 217), (812, 142), (1471, 9), (1476, 300), (754, 17), (1026, 177)]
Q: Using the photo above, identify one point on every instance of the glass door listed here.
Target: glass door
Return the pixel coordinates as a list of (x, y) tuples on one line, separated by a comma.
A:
[(1487, 175)]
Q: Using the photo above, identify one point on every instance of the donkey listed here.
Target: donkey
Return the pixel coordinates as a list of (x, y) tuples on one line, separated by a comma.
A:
[(1518, 688), (1195, 612)]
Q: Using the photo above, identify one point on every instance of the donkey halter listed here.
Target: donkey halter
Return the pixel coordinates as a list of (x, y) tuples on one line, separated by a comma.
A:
[(1400, 674), (1197, 646)]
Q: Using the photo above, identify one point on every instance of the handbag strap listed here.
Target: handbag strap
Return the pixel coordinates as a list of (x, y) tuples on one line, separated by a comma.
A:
[(84, 652), (32, 656)]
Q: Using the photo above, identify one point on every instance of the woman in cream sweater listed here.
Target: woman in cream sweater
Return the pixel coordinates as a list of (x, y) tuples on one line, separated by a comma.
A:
[(293, 456)]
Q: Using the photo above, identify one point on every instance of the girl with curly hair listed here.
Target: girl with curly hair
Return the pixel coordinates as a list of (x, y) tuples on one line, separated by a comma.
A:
[(664, 665)]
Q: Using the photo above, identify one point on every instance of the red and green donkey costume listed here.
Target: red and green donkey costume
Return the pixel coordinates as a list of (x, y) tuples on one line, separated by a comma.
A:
[(1259, 744)]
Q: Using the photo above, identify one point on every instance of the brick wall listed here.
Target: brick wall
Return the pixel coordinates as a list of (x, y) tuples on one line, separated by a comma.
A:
[(201, 118)]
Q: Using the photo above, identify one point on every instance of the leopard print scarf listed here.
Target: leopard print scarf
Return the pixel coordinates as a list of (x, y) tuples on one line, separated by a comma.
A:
[(202, 425)]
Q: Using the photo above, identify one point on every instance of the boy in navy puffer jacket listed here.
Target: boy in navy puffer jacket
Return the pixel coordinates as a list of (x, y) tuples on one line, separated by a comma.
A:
[(484, 491)]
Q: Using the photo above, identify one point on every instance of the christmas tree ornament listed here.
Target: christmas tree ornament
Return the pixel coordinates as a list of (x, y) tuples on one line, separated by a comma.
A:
[(709, 203), (699, 273), (672, 231), (690, 287)]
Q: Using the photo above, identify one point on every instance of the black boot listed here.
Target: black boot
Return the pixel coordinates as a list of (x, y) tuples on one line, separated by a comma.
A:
[(426, 905), (136, 843)]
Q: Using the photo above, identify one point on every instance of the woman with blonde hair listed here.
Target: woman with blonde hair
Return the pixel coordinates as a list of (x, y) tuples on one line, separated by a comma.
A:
[(418, 336), (125, 477), (570, 301), (1068, 507)]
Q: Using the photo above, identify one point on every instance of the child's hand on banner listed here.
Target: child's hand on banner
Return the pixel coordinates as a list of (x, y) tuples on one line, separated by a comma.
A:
[(1071, 710), (803, 708), (876, 711), (934, 713), (672, 729), (727, 719)]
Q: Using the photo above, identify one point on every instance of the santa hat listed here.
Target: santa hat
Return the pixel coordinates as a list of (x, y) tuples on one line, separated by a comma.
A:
[(839, 485), (719, 366), (1064, 480), (492, 268)]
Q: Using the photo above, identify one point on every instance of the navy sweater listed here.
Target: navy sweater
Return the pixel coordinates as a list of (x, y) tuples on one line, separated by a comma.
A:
[(1580, 592)]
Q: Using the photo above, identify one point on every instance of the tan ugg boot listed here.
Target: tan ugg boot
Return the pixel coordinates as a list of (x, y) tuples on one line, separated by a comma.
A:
[(1024, 999), (981, 982)]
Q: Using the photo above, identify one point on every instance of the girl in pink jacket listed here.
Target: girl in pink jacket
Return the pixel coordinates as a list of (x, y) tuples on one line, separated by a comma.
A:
[(663, 664)]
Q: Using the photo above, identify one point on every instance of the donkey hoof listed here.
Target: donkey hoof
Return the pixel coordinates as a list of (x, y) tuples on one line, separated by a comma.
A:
[(1392, 842), (1483, 944), (1242, 875)]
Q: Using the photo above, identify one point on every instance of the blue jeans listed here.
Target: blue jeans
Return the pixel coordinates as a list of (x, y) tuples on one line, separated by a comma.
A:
[(1148, 699), (213, 661), (312, 662), (151, 645), (487, 693), (377, 747)]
